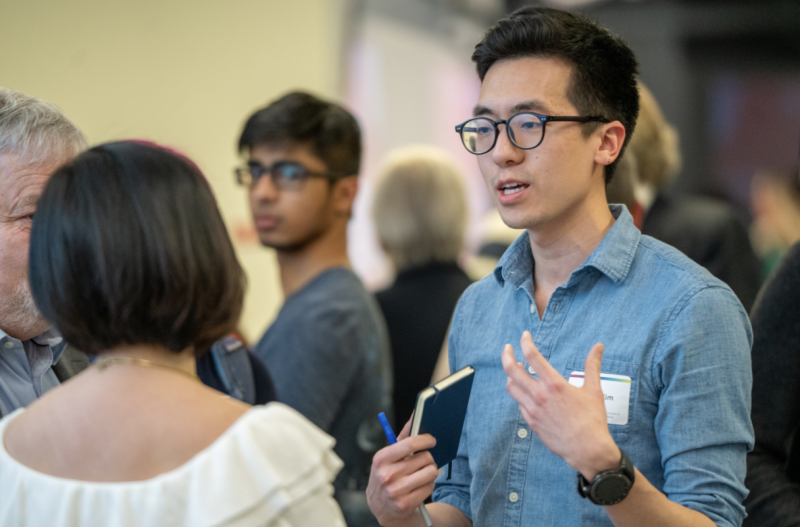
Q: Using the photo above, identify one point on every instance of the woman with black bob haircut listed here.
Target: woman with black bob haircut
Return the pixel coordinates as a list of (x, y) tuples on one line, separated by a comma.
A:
[(130, 260)]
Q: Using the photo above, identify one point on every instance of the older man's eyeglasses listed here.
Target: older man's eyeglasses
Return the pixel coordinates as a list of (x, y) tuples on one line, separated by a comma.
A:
[(525, 130), (286, 175)]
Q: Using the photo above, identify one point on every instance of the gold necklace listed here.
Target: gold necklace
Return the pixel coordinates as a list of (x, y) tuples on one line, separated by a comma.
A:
[(104, 362)]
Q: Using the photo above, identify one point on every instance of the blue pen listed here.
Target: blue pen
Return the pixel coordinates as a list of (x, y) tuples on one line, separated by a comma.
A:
[(387, 429)]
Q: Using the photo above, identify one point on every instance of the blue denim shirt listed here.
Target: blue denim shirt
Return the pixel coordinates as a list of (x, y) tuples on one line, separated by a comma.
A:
[(680, 335)]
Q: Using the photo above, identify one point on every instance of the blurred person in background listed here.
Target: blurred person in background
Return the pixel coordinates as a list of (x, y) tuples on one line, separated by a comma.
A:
[(621, 188), (35, 139), (131, 262), (495, 237), (420, 213), (704, 229), (775, 199), (327, 350), (773, 467)]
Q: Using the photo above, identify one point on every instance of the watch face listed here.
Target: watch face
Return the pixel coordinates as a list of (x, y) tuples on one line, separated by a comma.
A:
[(610, 489)]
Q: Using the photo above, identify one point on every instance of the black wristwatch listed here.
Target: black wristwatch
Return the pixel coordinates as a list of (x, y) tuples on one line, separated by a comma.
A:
[(608, 487)]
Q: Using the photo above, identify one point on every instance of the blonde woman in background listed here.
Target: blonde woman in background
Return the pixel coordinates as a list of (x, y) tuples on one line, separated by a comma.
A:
[(704, 229), (420, 213), (775, 201)]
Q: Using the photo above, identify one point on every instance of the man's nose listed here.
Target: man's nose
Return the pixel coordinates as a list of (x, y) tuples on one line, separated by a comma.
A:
[(264, 189), (505, 153)]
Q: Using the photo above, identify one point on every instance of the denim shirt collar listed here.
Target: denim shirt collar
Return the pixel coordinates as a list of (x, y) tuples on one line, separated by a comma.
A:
[(612, 256)]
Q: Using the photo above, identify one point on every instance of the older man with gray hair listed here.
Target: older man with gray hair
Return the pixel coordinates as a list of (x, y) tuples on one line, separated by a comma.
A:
[(35, 138)]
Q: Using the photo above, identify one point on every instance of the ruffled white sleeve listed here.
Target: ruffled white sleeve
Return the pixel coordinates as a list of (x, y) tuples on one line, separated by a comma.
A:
[(284, 471), (272, 467)]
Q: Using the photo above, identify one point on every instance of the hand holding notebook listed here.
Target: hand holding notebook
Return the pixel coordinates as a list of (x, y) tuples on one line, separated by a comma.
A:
[(440, 411)]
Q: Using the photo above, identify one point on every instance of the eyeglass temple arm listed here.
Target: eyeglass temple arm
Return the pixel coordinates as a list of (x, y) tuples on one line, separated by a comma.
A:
[(576, 118)]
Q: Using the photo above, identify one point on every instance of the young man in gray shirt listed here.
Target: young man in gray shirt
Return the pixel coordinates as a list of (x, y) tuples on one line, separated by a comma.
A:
[(328, 349)]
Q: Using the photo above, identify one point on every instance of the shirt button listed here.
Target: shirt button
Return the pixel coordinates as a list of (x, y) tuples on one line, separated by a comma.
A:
[(9, 344), (513, 497), (531, 370), (533, 308), (522, 433)]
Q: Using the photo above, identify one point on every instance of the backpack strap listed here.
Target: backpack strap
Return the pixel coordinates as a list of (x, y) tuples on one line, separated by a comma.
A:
[(232, 363), (70, 364)]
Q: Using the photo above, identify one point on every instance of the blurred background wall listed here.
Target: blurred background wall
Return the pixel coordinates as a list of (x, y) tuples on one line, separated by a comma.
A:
[(725, 72), (187, 74), (183, 73)]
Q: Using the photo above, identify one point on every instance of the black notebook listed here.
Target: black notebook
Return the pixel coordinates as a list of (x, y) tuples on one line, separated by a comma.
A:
[(440, 411)]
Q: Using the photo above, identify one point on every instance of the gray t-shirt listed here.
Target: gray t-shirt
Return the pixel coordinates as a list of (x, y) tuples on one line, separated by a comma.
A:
[(328, 354)]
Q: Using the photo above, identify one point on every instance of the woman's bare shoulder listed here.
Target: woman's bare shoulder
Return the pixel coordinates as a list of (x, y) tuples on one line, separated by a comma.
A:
[(134, 431)]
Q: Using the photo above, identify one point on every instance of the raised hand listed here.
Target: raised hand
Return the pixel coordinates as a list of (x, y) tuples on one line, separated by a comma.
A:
[(570, 421)]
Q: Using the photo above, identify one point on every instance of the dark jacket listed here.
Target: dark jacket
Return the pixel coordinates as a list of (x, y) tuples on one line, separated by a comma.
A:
[(773, 467), (708, 232), (418, 308)]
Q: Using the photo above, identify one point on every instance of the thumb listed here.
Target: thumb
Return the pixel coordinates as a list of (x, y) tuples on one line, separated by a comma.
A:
[(591, 376), (406, 431)]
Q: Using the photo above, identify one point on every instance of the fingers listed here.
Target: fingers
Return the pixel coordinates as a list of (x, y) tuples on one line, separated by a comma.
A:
[(513, 369), (422, 471), (531, 353), (519, 393), (404, 448), (591, 377), (396, 488), (406, 431), (415, 498), (405, 476)]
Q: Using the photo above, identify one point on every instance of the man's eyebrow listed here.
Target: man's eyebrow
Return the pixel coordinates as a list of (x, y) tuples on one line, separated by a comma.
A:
[(481, 110), (533, 105), (25, 204), (28, 201)]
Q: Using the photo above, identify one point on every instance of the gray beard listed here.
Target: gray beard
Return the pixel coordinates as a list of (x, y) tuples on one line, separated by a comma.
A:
[(18, 311)]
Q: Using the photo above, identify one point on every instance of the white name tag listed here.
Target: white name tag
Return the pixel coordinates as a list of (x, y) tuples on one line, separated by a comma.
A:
[(616, 392)]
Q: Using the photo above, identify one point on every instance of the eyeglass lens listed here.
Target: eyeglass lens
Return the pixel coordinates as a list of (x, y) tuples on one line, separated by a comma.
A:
[(286, 176), (524, 129)]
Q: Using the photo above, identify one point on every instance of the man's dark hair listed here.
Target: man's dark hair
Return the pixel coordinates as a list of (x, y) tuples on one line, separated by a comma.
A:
[(128, 247), (300, 118), (604, 67)]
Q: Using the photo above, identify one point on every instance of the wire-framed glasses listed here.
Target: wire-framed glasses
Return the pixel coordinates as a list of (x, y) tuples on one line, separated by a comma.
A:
[(286, 175), (525, 130)]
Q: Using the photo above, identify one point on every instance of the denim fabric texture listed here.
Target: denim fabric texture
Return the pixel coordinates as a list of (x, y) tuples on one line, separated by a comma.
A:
[(680, 334), (26, 368)]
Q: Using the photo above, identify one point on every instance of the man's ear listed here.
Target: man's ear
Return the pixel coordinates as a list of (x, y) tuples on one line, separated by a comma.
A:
[(344, 194), (612, 136)]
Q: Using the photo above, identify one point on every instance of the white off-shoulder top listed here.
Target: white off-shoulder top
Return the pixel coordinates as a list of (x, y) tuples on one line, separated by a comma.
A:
[(272, 467)]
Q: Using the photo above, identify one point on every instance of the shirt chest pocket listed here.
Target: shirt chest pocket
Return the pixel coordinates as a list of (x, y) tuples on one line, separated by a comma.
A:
[(620, 382)]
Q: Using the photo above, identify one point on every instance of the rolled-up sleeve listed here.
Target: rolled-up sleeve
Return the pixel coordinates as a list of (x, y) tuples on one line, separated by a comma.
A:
[(702, 368)]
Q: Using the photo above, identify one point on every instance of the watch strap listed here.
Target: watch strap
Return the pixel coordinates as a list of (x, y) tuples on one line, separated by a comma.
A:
[(622, 477)]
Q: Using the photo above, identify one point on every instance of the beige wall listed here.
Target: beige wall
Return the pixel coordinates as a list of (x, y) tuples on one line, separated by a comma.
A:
[(182, 73)]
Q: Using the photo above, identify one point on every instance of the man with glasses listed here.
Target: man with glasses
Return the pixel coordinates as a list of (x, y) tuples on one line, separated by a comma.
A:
[(328, 349), (627, 400)]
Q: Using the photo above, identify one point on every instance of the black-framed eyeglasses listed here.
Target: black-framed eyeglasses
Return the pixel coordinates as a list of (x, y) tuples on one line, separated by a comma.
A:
[(286, 175), (525, 130)]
